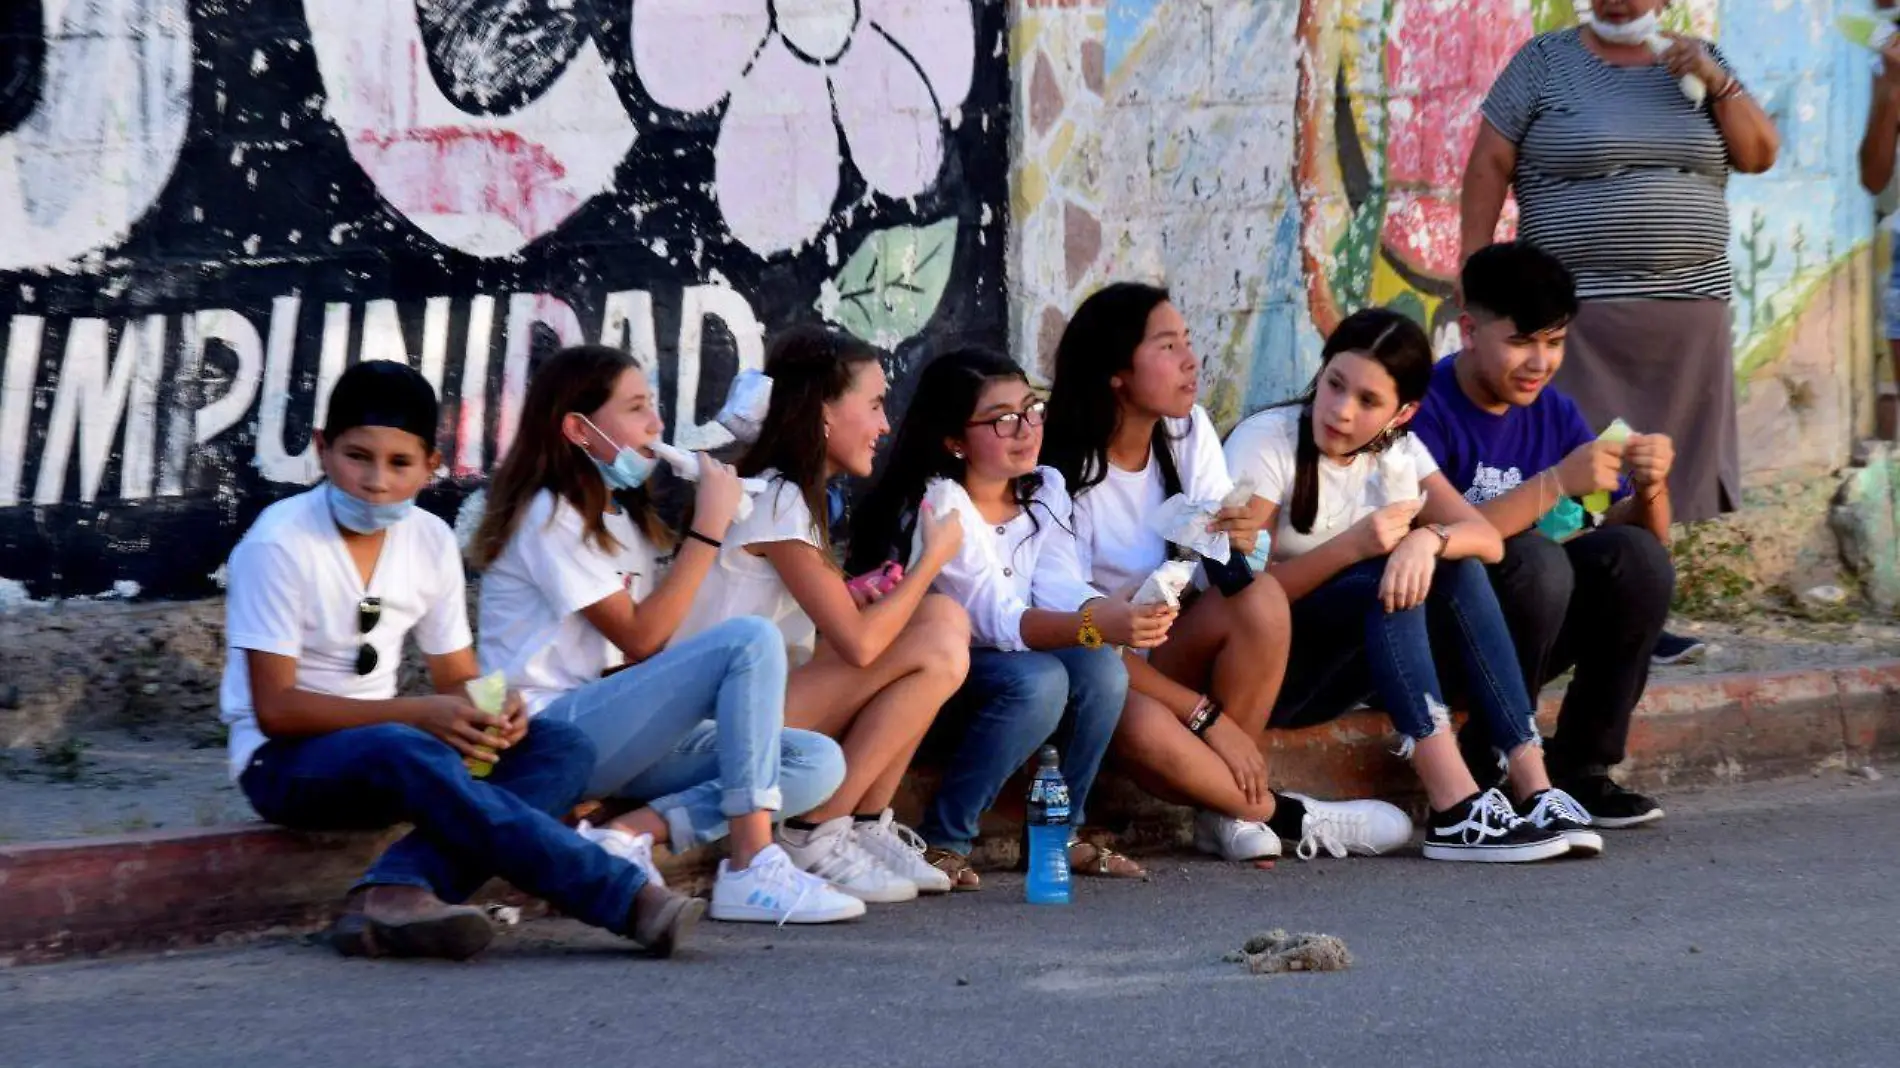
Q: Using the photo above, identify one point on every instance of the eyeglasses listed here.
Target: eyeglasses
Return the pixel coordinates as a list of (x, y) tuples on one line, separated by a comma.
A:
[(1011, 424), (369, 612)]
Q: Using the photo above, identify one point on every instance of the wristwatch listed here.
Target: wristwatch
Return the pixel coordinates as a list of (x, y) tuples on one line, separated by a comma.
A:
[(1090, 635), (1444, 536)]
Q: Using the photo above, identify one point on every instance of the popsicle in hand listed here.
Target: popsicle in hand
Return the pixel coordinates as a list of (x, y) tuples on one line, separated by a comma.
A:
[(490, 694), (1599, 502), (1868, 30)]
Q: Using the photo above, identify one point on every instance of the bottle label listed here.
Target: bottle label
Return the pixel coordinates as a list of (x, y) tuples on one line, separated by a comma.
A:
[(1049, 802)]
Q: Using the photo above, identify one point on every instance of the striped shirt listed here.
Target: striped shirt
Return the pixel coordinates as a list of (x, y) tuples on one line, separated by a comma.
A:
[(1618, 174)]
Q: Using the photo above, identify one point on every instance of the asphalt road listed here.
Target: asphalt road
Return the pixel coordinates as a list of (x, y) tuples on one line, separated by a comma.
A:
[(1757, 925)]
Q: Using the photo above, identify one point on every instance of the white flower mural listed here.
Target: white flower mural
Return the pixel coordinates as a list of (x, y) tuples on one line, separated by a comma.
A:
[(893, 71)]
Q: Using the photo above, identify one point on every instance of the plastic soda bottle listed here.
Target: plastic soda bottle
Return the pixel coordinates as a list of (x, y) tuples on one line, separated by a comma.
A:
[(488, 693), (1048, 826)]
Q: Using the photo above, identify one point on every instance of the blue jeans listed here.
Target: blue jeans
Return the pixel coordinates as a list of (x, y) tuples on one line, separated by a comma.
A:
[(697, 732), (1347, 647), (466, 830), (1010, 704)]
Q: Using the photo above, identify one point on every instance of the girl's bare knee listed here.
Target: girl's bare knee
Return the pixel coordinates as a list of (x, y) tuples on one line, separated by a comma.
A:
[(1265, 608), (940, 616)]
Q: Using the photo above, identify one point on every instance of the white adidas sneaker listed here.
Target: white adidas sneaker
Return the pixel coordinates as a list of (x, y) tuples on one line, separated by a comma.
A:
[(1350, 828), (773, 890), (899, 849), (634, 848), (1232, 839), (831, 852)]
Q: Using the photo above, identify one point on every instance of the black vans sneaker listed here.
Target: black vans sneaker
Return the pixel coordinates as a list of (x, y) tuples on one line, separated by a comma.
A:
[(1611, 805), (1554, 810), (1487, 829), (1676, 649)]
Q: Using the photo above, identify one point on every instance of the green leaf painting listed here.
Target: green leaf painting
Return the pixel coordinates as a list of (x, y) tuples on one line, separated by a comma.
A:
[(891, 286), (1547, 15)]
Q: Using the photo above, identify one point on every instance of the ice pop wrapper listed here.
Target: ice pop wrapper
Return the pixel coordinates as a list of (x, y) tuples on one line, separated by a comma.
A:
[(1398, 477), (1184, 523), (1165, 583), (1692, 87), (686, 466), (490, 694), (747, 401), (1599, 502), (1240, 496), (941, 497)]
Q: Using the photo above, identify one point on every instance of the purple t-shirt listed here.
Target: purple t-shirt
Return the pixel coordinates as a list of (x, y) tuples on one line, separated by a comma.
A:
[(1486, 456)]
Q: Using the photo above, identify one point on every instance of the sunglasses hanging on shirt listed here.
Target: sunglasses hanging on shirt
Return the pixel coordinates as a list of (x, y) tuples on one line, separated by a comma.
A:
[(369, 612)]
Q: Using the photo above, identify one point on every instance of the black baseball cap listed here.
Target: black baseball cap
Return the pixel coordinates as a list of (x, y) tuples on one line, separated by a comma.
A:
[(382, 393)]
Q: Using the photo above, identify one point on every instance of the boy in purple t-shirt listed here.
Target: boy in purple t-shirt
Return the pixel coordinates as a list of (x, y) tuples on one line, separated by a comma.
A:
[(1523, 454)]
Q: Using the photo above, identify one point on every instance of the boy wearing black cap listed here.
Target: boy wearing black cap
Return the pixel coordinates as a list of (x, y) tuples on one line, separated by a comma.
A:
[(1522, 453), (322, 590)]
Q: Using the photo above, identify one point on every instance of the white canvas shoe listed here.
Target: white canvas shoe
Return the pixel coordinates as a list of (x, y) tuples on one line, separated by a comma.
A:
[(635, 848), (1232, 839), (831, 852), (1350, 828), (898, 848), (773, 890)]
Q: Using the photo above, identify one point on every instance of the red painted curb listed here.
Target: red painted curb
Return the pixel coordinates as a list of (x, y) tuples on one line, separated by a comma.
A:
[(166, 888)]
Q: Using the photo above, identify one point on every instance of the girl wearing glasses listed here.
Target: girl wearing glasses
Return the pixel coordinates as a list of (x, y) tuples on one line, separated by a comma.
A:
[(576, 612), (1126, 435), (1043, 666), (322, 591), (869, 670)]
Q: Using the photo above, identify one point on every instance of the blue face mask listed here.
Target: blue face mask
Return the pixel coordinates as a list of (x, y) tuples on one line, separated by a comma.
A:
[(630, 469), (358, 515)]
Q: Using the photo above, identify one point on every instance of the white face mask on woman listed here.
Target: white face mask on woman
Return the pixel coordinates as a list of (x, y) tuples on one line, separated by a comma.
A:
[(1634, 32)]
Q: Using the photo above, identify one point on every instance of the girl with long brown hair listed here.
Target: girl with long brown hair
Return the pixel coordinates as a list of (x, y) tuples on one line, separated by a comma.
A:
[(576, 610), (871, 668)]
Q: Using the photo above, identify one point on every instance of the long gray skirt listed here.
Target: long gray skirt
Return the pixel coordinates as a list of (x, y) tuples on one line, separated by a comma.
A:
[(1664, 366)]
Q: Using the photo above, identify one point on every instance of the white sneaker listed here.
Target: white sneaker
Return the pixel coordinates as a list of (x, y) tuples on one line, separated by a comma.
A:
[(1232, 839), (773, 890), (832, 853), (898, 848), (634, 848), (1341, 828)]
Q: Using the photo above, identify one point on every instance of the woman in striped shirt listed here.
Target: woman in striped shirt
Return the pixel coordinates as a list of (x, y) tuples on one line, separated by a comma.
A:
[(1621, 173)]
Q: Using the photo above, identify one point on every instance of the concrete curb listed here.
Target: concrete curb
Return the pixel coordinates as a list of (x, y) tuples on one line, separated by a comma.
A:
[(169, 888)]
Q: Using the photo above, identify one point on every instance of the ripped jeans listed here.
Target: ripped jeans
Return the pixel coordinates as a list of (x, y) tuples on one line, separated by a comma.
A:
[(1347, 648)]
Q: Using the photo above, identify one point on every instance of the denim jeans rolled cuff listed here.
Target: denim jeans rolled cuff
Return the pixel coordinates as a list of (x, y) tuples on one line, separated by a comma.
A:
[(1342, 629), (684, 790), (713, 705)]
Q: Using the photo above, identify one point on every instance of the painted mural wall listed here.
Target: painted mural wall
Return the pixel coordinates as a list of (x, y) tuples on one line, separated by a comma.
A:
[(1282, 162), (209, 208)]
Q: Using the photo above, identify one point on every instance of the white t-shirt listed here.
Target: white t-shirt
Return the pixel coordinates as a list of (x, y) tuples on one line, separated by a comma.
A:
[(1263, 447), (532, 596), (293, 590), (1116, 546), (1004, 569), (742, 584)]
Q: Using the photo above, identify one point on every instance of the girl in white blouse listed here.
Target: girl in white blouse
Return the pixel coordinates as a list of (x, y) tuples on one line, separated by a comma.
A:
[(1045, 665), (1126, 435), (871, 674)]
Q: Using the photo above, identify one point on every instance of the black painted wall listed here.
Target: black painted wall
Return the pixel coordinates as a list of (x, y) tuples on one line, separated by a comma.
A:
[(133, 329)]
